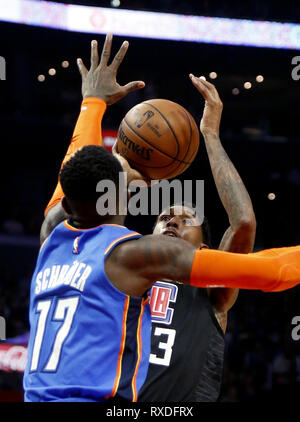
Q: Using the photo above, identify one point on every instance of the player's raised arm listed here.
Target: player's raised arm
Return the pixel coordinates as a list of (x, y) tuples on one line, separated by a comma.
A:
[(99, 89), (240, 235), (141, 262)]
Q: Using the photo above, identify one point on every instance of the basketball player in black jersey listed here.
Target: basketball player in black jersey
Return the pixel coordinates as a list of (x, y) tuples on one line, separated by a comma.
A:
[(187, 344)]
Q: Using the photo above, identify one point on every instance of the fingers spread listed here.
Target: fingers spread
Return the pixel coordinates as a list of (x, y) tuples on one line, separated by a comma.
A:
[(119, 56), (133, 86), (82, 69), (94, 55), (105, 55)]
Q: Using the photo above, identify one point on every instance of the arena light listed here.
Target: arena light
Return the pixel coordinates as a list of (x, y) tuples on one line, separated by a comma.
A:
[(98, 20), (52, 71), (247, 85), (259, 78), (115, 3)]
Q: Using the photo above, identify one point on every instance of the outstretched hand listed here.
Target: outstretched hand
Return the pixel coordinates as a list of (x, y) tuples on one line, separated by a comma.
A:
[(210, 122), (100, 81)]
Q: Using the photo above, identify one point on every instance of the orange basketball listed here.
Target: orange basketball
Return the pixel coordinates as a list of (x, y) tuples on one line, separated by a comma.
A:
[(159, 138)]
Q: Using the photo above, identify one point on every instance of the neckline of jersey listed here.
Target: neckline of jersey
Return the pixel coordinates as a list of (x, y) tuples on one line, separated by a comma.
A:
[(68, 226)]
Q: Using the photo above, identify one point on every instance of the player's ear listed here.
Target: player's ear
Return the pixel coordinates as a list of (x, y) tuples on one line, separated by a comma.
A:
[(66, 206)]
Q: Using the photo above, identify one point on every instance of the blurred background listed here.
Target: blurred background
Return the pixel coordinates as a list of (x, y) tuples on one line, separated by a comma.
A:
[(40, 101)]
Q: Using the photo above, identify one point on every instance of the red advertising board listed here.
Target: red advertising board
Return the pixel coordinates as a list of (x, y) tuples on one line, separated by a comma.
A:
[(13, 357)]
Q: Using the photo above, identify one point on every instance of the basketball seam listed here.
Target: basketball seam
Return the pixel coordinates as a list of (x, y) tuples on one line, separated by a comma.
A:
[(170, 127), (150, 167), (174, 170), (190, 141), (196, 150), (187, 116), (154, 146), (191, 133)]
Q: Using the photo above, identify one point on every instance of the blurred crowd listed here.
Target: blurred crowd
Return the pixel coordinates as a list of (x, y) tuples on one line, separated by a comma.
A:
[(14, 300), (262, 360), (19, 220)]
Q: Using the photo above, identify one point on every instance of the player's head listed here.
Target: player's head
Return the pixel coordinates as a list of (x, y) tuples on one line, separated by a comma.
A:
[(79, 178), (181, 221)]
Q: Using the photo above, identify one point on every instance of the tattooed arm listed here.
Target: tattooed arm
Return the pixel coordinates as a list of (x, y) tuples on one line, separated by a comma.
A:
[(240, 235), (135, 265)]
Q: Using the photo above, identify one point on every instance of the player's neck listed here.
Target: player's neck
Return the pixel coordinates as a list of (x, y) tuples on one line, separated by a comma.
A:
[(84, 223)]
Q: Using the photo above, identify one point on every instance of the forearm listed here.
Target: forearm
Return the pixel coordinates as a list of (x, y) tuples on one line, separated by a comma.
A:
[(55, 216), (87, 132), (270, 270), (88, 126), (230, 187), (240, 236)]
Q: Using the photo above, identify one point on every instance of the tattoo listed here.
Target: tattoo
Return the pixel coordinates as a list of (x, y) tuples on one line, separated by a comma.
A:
[(165, 256), (237, 203), (232, 193), (134, 266)]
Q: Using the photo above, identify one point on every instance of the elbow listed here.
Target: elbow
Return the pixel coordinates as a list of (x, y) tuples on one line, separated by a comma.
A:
[(244, 235), (247, 225), (46, 229)]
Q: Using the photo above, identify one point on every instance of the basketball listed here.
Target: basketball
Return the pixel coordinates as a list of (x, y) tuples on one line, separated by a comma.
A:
[(159, 138)]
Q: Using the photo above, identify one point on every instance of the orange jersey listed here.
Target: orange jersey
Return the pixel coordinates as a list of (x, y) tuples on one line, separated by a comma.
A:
[(87, 132)]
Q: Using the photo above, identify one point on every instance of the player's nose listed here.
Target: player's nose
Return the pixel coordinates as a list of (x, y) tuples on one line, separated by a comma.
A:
[(173, 222)]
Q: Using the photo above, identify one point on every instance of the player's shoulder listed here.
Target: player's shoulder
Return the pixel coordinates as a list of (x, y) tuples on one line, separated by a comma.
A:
[(124, 244), (118, 232)]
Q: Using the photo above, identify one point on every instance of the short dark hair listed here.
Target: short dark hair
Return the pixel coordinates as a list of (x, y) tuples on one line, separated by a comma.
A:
[(88, 166)]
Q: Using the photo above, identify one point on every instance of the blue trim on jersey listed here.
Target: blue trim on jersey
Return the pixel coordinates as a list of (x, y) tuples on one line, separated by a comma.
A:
[(130, 359)]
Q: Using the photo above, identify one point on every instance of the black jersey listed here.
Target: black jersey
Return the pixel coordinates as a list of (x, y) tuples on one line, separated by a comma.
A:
[(187, 346)]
